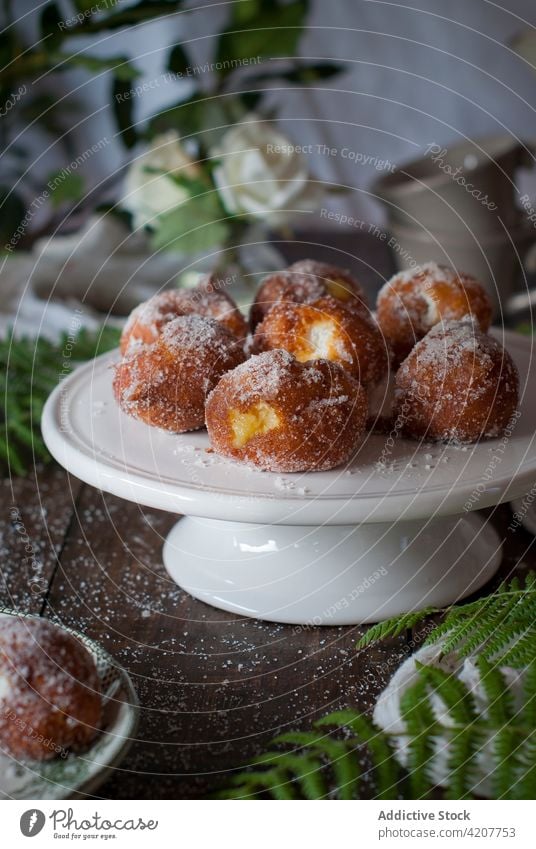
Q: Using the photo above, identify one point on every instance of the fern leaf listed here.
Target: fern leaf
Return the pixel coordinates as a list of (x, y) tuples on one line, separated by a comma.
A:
[(521, 653), (501, 627), (342, 761), (394, 626), (526, 786), (29, 371), (420, 723), (459, 625), (453, 693), (251, 784), (529, 694), (464, 741), (465, 745), (505, 740), (385, 769), (304, 770)]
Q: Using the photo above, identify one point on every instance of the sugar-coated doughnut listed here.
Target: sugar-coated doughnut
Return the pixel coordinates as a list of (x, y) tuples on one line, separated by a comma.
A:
[(280, 415), (326, 329), (457, 384), (304, 281), (166, 384), (50, 699), (147, 319), (413, 301)]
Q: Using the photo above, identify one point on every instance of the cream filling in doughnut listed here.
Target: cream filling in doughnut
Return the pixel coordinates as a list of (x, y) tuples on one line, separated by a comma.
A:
[(321, 342), (432, 315), (259, 419), (5, 687), (338, 289)]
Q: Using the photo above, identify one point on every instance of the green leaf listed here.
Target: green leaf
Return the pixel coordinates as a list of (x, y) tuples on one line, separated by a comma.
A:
[(499, 727), (142, 12), (89, 5), (303, 73), (466, 739), (274, 31), (12, 212), (250, 99), (29, 371), (304, 770), (316, 764), (385, 771), (505, 740), (187, 116), (120, 65), (500, 627), (68, 186), (419, 718), (526, 786), (50, 20), (194, 117), (246, 11), (197, 225), (123, 108), (342, 761), (395, 626), (178, 61)]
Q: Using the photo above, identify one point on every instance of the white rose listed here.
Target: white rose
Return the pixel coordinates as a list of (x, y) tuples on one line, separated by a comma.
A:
[(147, 194), (261, 174)]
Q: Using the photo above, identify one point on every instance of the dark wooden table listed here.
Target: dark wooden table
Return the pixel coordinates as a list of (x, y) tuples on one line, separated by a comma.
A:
[(214, 689)]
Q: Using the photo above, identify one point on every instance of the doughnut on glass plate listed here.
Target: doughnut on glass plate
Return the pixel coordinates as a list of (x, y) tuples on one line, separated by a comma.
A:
[(82, 773)]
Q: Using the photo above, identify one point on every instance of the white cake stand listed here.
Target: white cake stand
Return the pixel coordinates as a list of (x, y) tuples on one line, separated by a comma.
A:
[(391, 532)]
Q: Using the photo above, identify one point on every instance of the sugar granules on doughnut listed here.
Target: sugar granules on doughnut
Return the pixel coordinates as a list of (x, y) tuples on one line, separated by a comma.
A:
[(456, 384), (306, 281), (281, 415), (50, 700), (166, 384), (413, 301), (147, 320)]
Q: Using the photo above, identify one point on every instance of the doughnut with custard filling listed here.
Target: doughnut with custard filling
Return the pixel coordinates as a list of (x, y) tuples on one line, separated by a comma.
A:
[(305, 281), (280, 415), (413, 301)]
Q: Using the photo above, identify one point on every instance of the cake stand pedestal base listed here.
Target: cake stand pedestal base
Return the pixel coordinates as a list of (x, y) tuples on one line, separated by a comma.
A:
[(332, 574)]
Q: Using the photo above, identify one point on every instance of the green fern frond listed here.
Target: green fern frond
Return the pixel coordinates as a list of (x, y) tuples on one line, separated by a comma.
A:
[(303, 770), (384, 771), (320, 763), (421, 725), (395, 626), (526, 786), (496, 630), (529, 696), (500, 627), (29, 371), (342, 761), (250, 785), (465, 740), (506, 740)]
